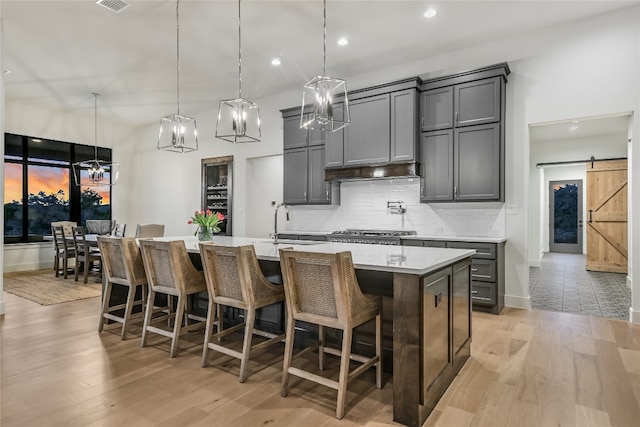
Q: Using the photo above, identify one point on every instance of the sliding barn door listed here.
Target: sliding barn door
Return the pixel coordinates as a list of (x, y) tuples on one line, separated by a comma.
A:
[(607, 216)]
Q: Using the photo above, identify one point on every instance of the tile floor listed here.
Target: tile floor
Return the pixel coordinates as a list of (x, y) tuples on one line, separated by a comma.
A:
[(563, 284)]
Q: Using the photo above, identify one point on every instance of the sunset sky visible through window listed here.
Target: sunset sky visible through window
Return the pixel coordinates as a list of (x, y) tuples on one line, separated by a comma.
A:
[(41, 178)]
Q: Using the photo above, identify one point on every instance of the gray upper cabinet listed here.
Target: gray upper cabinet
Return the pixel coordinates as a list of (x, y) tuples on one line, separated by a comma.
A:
[(436, 164), (403, 126), (294, 137), (366, 139), (462, 143), (477, 102), (295, 176), (334, 154), (477, 162), (319, 189), (436, 106)]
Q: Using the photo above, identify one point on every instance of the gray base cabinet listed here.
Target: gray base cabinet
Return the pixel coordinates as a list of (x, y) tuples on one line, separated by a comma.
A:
[(487, 271)]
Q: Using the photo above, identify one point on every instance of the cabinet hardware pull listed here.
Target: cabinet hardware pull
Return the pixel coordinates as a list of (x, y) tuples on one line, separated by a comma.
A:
[(473, 270), (421, 122), (438, 299), (590, 213), (457, 118), (474, 292), (455, 190), (327, 194)]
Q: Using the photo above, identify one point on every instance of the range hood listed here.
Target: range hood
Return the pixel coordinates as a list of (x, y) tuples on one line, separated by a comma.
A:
[(370, 172)]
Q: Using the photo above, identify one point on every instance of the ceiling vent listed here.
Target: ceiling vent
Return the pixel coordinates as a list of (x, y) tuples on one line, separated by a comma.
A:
[(113, 5)]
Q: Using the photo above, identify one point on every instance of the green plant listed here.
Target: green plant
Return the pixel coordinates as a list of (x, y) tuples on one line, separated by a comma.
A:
[(207, 220)]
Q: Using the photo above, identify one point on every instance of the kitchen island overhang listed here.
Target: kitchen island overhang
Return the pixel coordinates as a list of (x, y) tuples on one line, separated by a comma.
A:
[(431, 297)]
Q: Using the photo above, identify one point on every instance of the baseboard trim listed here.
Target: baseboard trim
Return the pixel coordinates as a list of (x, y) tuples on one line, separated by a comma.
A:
[(27, 266), (517, 302), (1, 308), (634, 316), (534, 263)]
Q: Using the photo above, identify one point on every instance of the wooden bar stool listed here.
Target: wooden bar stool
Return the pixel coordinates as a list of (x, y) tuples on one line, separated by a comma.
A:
[(170, 272), (322, 289), (121, 265), (234, 279)]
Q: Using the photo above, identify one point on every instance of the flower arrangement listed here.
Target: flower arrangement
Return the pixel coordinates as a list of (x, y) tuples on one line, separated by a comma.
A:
[(207, 221)]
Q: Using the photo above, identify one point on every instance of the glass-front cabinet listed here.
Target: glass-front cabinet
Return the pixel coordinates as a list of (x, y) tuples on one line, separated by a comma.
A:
[(217, 185)]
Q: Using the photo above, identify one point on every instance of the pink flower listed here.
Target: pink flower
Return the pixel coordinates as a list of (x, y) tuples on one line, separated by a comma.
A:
[(189, 222), (220, 216), (208, 212)]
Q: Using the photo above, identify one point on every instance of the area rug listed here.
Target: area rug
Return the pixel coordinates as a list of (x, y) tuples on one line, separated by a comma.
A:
[(43, 287)]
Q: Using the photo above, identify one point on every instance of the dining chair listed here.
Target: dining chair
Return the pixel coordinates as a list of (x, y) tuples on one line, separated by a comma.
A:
[(102, 227), (86, 254), (118, 230), (321, 288), (149, 230), (234, 279), (122, 265), (63, 250), (170, 271)]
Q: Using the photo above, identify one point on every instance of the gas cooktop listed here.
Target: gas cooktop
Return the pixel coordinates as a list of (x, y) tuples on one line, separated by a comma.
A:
[(373, 233)]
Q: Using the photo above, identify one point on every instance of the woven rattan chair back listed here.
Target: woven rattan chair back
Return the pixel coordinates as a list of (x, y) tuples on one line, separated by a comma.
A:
[(144, 231), (121, 265), (223, 270), (121, 259)]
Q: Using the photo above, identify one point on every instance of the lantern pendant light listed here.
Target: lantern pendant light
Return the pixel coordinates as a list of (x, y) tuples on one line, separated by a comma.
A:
[(178, 133), (96, 172), (322, 92), (238, 119)]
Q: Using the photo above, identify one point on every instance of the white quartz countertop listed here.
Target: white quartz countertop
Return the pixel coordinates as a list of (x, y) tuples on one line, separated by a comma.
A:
[(474, 239), (392, 259)]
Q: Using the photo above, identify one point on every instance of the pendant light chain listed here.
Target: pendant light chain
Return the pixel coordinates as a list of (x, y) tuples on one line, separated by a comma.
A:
[(95, 124), (239, 53), (324, 59), (178, 54)]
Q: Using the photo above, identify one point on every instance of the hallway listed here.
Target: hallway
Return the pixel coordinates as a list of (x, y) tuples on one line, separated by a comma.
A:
[(563, 284)]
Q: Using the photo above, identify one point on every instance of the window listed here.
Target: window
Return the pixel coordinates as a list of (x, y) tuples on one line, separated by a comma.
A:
[(39, 172)]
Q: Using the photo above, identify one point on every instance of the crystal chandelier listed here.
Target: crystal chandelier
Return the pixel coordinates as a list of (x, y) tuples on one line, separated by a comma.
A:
[(322, 92), (95, 172), (238, 119), (177, 132)]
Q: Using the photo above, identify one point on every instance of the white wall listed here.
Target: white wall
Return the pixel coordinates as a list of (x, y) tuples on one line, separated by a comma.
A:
[(601, 147), (1, 152), (262, 192), (588, 68)]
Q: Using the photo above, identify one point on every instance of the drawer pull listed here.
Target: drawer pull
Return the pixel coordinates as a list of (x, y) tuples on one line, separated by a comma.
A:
[(438, 299), (474, 292), (474, 270), (483, 298)]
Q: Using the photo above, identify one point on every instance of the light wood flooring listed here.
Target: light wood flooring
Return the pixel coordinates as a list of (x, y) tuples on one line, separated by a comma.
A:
[(527, 368)]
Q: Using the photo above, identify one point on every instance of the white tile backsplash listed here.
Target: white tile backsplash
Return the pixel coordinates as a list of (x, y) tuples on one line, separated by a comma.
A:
[(363, 205)]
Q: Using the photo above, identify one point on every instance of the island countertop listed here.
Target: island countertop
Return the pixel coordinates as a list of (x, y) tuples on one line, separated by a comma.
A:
[(387, 258)]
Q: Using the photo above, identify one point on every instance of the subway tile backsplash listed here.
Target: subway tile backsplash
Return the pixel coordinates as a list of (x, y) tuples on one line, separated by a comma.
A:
[(363, 205)]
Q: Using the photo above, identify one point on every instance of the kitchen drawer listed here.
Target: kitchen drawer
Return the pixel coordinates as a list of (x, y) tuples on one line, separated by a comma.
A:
[(411, 242), (483, 293), (483, 270), (483, 250), (426, 243)]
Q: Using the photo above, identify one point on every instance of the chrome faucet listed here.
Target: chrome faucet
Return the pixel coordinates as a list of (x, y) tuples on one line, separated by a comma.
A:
[(275, 226)]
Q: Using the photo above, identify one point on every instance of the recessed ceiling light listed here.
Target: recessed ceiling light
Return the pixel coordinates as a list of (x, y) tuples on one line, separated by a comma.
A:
[(343, 42), (36, 140), (574, 121), (573, 128), (430, 13), (5, 72), (275, 61)]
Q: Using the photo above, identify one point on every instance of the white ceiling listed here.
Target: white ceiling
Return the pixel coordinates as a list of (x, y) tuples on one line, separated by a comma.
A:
[(59, 52), (580, 128)]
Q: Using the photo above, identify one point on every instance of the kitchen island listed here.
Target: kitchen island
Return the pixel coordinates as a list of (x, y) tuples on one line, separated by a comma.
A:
[(431, 297)]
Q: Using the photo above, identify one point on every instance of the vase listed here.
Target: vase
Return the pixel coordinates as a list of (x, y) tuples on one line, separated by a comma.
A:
[(205, 233)]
